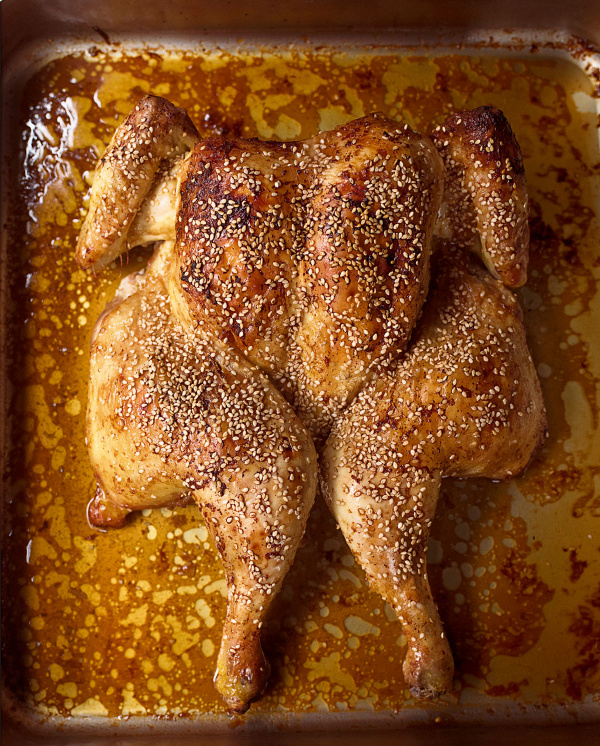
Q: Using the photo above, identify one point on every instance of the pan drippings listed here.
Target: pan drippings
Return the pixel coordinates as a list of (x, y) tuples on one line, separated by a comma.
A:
[(125, 623)]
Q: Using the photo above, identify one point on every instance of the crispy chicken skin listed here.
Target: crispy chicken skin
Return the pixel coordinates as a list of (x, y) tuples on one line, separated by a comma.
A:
[(311, 258), (172, 417), (299, 270), (485, 205), (134, 192), (463, 401)]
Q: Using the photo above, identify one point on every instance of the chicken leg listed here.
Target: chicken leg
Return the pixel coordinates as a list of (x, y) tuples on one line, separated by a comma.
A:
[(464, 401), (172, 417)]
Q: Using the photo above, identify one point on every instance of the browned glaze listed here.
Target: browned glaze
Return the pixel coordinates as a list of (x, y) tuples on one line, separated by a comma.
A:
[(127, 622)]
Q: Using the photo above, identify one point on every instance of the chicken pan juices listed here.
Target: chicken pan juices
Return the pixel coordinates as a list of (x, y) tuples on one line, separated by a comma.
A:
[(311, 288)]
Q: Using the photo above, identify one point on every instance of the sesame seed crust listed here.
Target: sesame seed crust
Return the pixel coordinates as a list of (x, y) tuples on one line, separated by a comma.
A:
[(485, 204), (312, 258)]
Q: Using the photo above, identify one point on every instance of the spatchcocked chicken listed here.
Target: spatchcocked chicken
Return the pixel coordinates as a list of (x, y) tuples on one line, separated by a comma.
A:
[(278, 308)]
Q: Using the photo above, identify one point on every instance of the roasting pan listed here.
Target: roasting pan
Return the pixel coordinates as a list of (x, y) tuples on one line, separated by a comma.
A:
[(526, 554)]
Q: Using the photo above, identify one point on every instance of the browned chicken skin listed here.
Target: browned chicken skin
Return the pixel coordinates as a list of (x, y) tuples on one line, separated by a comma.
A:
[(311, 258), (308, 262)]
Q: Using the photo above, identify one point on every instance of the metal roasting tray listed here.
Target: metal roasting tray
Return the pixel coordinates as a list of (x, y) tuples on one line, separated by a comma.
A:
[(560, 35)]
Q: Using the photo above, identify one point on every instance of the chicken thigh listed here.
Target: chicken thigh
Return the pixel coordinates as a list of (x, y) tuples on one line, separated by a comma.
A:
[(173, 417)]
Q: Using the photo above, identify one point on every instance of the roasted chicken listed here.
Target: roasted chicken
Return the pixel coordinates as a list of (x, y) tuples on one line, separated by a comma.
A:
[(135, 185), (302, 268)]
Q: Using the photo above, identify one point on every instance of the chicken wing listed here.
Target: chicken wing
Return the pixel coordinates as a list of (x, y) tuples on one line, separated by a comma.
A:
[(485, 205), (463, 401), (172, 417), (134, 195)]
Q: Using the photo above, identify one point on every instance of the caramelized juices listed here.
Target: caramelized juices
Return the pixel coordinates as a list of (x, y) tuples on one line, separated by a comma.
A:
[(128, 622)]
